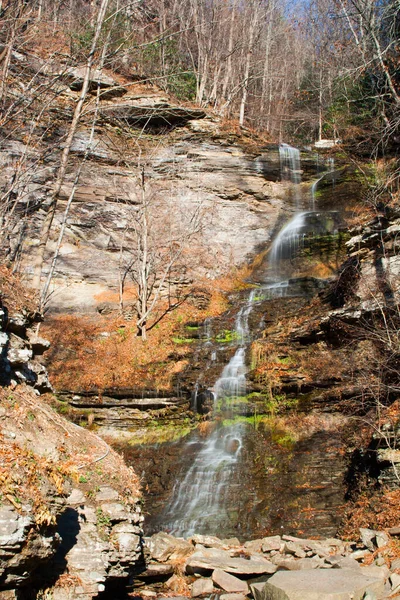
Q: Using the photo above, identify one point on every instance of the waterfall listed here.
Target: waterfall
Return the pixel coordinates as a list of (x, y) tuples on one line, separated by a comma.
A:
[(198, 502), (289, 158), (288, 240), (290, 165), (331, 169)]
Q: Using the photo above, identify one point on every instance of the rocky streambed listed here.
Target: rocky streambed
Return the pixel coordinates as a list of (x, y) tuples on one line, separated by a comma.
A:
[(272, 568)]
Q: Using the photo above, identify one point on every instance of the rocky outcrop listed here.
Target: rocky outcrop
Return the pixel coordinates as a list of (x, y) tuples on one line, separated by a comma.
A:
[(101, 543), (70, 507), (236, 185), (21, 350)]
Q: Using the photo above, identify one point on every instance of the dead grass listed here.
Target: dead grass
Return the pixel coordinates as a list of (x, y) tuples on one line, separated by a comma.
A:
[(105, 352), (377, 510)]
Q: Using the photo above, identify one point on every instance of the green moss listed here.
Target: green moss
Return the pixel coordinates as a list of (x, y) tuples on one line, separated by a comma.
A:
[(254, 420), (158, 433), (227, 336), (178, 340)]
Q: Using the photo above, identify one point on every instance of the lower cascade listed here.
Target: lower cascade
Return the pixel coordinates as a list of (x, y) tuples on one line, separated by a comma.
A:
[(198, 503)]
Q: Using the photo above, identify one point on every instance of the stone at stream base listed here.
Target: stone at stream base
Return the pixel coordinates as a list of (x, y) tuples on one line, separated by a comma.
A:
[(333, 584), (228, 582), (202, 586), (163, 547), (209, 559)]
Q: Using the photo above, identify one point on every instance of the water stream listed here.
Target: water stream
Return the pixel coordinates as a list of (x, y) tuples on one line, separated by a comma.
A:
[(198, 501), (207, 492)]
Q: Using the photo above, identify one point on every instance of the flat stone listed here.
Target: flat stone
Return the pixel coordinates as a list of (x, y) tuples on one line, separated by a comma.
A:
[(209, 559), (343, 562), (333, 584), (156, 570), (76, 498), (394, 530), (208, 541), (201, 587), (232, 597), (360, 554), (231, 542), (253, 546), (293, 564), (295, 549), (229, 582), (106, 493)]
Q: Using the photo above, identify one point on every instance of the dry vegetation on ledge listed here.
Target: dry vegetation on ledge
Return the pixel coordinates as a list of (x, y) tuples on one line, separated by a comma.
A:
[(105, 351)]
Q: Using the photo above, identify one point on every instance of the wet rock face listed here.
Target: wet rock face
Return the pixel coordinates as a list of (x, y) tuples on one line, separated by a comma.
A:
[(306, 475)]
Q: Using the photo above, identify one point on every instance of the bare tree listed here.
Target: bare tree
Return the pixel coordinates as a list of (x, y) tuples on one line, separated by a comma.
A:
[(160, 245)]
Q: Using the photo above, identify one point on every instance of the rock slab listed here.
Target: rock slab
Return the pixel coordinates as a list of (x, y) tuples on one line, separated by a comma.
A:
[(209, 559), (332, 584)]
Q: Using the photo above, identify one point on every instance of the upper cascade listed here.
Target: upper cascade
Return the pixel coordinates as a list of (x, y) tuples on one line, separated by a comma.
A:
[(289, 158)]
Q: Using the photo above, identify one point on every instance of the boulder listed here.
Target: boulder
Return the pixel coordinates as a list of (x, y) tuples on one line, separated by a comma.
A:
[(332, 584), (368, 538), (228, 582), (163, 547), (38, 344)]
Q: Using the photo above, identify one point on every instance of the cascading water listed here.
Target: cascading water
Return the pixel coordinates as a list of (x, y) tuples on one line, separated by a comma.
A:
[(207, 492), (289, 158), (291, 238), (288, 240), (198, 502), (331, 169)]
